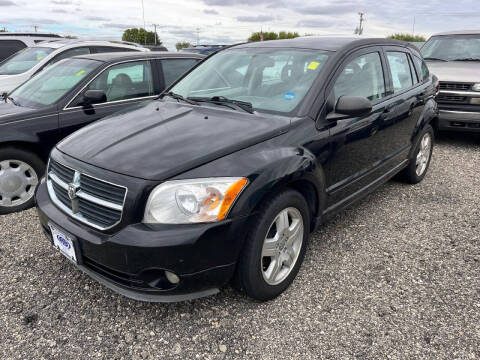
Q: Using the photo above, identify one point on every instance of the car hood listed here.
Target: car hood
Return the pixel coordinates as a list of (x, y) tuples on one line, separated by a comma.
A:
[(160, 139), (10, 112), (10, 82), (460, 71)]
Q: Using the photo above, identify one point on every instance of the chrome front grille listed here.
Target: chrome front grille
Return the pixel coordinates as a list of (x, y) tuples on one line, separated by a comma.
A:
[(455, 86), (90, 200), (450, 98)]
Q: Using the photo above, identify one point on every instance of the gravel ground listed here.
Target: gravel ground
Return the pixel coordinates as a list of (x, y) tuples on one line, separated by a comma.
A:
[(395, 276)]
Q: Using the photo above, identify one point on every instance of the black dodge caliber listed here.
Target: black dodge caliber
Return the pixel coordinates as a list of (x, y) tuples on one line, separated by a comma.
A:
[(226, 174), (65, 97)]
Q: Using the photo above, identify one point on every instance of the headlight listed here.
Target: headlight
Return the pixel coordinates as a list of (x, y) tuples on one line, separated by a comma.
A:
[(476, 87), (192, 201)]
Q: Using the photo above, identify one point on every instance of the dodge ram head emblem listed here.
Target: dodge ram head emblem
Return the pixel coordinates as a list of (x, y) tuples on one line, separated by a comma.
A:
[(72, 191)]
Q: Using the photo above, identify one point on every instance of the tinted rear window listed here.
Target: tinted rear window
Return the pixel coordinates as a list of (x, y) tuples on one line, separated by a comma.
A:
[(10, 47)]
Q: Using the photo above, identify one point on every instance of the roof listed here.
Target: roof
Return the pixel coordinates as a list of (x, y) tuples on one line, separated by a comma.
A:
[(31, 34), (129, 55), (327, 43), (56, 44), (460, 32)]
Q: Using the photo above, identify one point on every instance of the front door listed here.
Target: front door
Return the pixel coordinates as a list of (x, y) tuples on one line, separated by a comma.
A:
[(124, 84), (358, 143)]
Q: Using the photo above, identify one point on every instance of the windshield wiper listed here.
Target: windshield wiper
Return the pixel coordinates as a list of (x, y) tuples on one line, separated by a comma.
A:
[(222, 100), (6, 97), (434, 58), (466, 59), (180, 97)]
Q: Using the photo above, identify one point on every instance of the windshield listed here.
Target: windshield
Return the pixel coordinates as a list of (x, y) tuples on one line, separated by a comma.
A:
[(24, 60), (54, 82), (270, 79), (454, 47)]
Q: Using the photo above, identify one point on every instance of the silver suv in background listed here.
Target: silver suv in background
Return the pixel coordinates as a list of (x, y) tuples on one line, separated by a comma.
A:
[(454, 57), (21, 66), (10, 43)]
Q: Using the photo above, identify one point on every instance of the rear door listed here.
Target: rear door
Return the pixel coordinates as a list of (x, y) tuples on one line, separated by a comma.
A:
[(124, 84), (407, 99)]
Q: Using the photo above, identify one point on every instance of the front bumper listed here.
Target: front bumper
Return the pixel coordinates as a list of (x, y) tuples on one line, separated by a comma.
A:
[(133, 260), (457, 120)]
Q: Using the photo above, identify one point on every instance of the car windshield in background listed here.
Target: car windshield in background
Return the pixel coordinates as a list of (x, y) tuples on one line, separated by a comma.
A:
[(54, 82), (24, 60), (273, 80), (192, 51), (451, 48)]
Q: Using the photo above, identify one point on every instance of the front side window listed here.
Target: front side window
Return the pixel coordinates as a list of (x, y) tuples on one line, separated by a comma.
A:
[(400, 70), (452, 47), (174, 68), (125, 81), (24, 60), (271, 79), (53, 83), (363, 76)]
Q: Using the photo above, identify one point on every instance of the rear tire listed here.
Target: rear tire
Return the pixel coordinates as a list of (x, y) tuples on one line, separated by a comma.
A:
[(20, 173), (275, 246), (420, 157)]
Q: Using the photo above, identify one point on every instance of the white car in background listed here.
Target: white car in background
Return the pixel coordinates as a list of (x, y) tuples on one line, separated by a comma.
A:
[(21, 66), (10, 43)]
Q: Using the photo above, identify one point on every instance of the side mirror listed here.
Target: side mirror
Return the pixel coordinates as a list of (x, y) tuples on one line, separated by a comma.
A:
[(94, 97), (350, 106)]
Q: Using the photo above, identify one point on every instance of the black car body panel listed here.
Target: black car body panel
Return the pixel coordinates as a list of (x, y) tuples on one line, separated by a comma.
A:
[(331, 162), (163, 127)]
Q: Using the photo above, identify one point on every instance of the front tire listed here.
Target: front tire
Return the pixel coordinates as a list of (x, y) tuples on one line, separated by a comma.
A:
[(20, 173), (275, 246), (420, 157)]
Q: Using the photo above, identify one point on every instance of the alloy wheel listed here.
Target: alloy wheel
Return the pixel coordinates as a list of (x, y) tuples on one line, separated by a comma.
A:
[(424, 153), (282, 246)]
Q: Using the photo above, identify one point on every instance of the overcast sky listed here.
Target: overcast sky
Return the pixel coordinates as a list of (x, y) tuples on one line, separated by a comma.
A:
[(230, 21)]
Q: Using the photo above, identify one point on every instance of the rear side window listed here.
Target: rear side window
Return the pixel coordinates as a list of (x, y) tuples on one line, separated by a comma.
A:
[(423, 68), (125, 81), (174, 68), (400, 70), (104, 49), (70, 53), (412, 69), (10, 47), (363, 76)]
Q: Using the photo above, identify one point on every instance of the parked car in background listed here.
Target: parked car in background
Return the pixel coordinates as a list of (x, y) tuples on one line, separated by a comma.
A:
[(65, 97), (225, 176), (30, 61), (10, 43), (454, 57), (203, 49)]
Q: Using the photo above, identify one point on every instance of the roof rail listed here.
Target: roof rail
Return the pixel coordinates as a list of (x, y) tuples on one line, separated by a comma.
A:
[(30, 34)]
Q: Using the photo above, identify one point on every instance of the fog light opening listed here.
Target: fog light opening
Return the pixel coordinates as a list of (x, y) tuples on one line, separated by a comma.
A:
[(173, 278)]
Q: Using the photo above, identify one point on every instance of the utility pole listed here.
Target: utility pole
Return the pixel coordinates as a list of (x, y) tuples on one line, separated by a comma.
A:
[(144, 25), (413, 28), (35, 27), (198, 34), (359, 29), (155, 25)]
